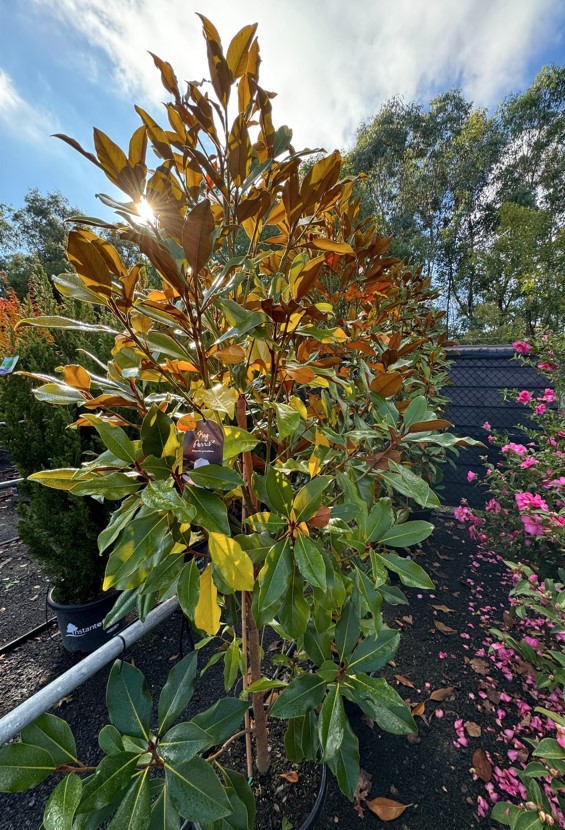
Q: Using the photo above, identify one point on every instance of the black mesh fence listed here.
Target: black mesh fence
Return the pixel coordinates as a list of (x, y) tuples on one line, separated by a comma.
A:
[(478, 374)]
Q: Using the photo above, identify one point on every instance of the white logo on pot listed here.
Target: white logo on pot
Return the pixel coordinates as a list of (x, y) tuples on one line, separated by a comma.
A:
[(73, 631)]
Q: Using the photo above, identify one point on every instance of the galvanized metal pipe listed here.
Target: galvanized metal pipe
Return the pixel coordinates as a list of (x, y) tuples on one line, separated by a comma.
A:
[(11, 482), (12, 723)]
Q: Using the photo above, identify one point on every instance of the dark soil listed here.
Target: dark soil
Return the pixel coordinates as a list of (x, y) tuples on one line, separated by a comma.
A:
[(425, 771)]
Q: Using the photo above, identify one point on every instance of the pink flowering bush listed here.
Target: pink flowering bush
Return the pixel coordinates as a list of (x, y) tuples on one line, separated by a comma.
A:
[(526, 511)]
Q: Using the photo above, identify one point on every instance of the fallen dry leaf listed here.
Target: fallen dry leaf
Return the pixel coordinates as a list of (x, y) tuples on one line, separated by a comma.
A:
[(442, 694), (362, 790), (403, 680), (386, 809), (445, 629), (472, 729), (479, 665), (419, 709), (444, 608), (292, 776), (482, 765), (408, 619)]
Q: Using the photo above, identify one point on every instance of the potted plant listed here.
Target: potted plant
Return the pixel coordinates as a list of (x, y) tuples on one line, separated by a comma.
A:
[(60, 532), (269, 374)]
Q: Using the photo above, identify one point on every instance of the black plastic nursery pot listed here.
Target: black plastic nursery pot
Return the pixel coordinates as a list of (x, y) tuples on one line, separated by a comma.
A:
[(311, 819), (81, 626)]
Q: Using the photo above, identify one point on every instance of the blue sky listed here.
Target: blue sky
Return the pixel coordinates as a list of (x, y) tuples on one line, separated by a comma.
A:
[(69, 65)]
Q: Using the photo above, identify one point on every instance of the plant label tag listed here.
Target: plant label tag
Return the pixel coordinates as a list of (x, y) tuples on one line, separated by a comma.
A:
[(9, 364), (203, 445)]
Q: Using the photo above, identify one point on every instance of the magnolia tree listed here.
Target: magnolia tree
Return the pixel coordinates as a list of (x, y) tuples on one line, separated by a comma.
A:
[(258, 410)]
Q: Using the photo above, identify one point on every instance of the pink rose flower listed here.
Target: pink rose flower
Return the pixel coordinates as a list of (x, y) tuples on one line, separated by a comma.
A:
[(519, 449), (540, 409), (487, 426), (530, 500), (548, 396), (531, 526), (521, 347), (492, 506), (471, 476), (524, 396), (530, 461), (547, 366)]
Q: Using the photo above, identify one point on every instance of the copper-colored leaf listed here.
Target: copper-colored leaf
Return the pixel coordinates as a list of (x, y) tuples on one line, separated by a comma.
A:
[(403, 680), (445, 629), (480, 666), (472, 729), (387, 384), (197, 235), (429, 426), (386, 809), (168, 77), (323, 244), (87, 259), (76, 376), (321, 518), (444, 608), (292, 776), (482, 765), (239, 151), (230, 354), (442, 694), (111, 157), (238, 50), (419, 709)]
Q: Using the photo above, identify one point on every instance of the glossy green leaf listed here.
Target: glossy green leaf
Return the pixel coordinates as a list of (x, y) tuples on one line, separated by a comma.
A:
[(373, 652), (58, 393), (164, 815), (279, 491), (23, 766), (379, 520), (294, 611), (345, 763), (211, 512), (177, 691), (110, 740), (160, 495), (236, 441), (119, 519), (274, 577), (188, 588), (415, 411), (410, 573), (331, 723), (409, 484), (183, 741), (54, 735), (288, 420), (114, 438), (347, 630), (158, 434), (309, 497), (138, 548), (232, 561), (406, 534), (128, 700), (381, 703), (301, 738), (266, 523), (196, 791), (505, 813), (310, 561), (62, 804), (56, 322), (134, 813), (317, 644), (111, 778), (222, 719), (304, 693), (216, 477)]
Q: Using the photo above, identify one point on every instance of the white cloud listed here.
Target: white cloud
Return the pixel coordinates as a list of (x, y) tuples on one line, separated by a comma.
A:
[(331, 63), (18, 116)]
